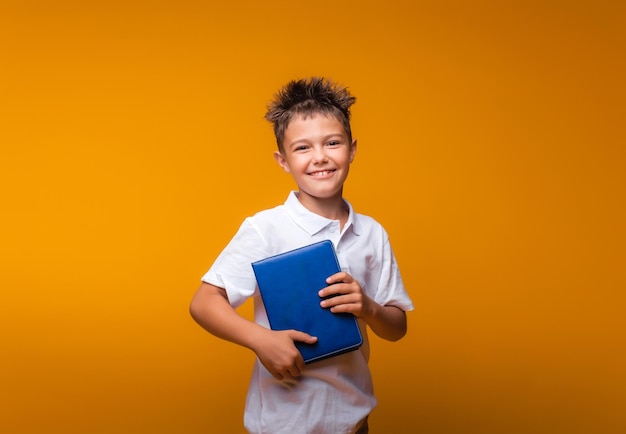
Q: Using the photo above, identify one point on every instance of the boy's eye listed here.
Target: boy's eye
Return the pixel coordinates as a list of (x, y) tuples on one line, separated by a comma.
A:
[(333, 143)]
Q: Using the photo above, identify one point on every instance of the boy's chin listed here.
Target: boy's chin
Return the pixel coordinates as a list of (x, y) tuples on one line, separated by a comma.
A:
[(320, 195)]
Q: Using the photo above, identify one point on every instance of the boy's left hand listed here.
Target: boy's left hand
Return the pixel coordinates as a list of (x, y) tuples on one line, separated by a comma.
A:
[(348, 296)]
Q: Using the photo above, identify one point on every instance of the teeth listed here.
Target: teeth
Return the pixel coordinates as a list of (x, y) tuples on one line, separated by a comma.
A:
[(322, 173)]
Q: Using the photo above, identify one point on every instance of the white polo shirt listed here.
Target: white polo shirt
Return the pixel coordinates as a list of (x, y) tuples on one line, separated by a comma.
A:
[(332, 395)]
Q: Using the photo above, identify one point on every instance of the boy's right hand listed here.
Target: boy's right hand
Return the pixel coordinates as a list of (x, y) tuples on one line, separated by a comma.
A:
[(277, 352)]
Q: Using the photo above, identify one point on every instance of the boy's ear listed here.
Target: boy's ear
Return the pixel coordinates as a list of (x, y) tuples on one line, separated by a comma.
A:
[(282, 162), (352, 150)]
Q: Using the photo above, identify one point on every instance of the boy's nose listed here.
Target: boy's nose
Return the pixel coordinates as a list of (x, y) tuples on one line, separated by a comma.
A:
[(319, 155)]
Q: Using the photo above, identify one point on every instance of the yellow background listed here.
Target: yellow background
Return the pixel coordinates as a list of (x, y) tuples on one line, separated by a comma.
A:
[(491, 146)]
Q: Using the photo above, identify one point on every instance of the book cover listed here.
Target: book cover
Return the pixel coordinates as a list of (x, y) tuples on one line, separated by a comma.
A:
[(289, 284)]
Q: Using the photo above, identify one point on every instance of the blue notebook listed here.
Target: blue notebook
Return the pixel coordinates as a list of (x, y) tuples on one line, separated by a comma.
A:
[(289, 283)]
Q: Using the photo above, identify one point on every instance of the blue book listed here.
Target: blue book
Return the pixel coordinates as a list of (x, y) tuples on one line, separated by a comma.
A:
[(289, 283)]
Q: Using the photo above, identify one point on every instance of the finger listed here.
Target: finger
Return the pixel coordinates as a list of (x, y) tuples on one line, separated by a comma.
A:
[(294, 371), (300, 365), (302, 337), (342, 276), (333, 289), (338, 298), (333, 302)]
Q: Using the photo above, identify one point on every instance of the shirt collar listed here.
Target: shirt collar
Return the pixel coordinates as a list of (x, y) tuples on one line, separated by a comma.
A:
[(313, 223)]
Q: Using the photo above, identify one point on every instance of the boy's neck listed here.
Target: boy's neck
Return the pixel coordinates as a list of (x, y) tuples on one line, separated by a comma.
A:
[(334, 208)]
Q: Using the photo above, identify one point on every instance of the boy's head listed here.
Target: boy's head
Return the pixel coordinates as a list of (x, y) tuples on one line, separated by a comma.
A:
[(306, 97)]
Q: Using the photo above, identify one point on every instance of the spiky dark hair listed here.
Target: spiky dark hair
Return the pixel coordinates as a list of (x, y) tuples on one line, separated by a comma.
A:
[(306, 97)]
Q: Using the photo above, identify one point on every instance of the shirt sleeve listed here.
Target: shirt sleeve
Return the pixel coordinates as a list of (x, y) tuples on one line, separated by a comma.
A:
[(232, 270), (391, 291)]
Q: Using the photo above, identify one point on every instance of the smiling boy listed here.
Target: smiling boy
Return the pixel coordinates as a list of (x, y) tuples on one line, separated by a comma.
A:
[(311, 120)]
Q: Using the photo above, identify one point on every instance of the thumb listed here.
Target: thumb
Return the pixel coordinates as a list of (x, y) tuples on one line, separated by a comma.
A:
[(302, 337)]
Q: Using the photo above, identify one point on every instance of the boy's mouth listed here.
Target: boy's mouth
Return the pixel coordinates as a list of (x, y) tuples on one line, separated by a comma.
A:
[(321, 173)]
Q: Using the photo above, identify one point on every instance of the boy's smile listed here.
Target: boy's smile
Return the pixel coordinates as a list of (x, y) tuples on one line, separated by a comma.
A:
[(317, 153), (321, 173)]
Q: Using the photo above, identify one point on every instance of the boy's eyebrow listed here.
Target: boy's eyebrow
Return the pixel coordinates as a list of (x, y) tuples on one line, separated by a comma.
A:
[(324, 138)]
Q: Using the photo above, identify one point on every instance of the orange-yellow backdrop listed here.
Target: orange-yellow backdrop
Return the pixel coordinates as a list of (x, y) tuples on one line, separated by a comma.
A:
[(491, 147)]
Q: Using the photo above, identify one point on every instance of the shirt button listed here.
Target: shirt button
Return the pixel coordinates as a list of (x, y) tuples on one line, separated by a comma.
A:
[(332, 229)]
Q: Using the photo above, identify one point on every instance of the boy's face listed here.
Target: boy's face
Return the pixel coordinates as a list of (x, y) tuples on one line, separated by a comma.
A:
[(317, 153)]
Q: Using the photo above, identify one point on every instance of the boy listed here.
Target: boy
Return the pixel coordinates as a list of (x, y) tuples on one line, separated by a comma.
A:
[(311, 120)]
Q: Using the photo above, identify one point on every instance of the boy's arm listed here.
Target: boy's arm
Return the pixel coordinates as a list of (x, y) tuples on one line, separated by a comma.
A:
[(388, 322), (211, 309)]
